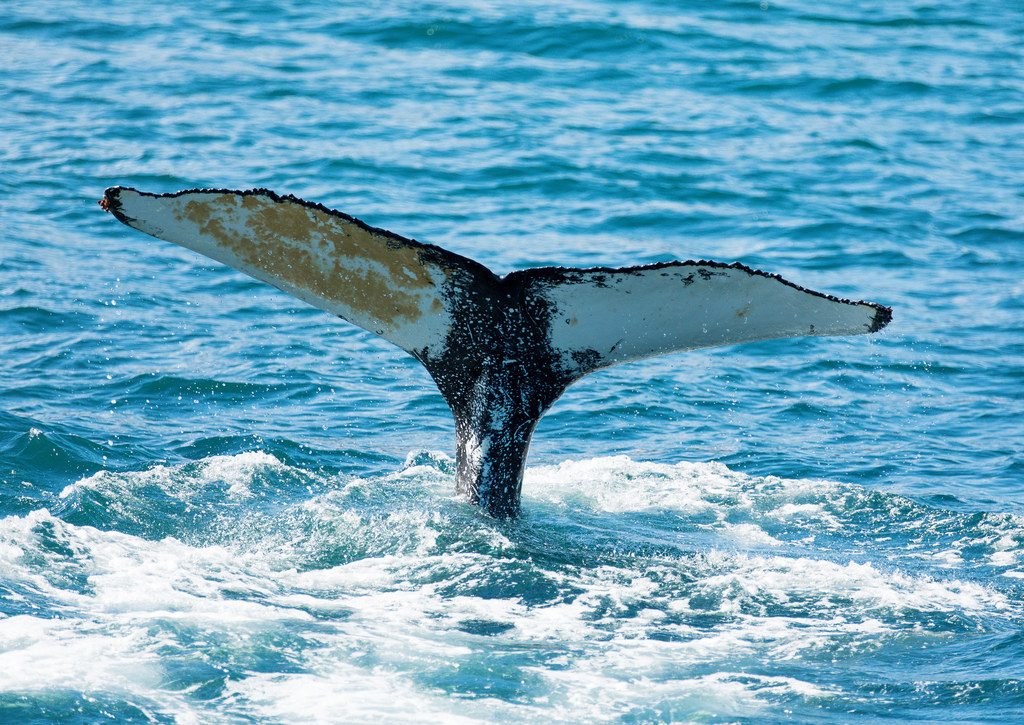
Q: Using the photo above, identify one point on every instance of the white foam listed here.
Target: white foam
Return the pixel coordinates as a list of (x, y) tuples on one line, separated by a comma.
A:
[(618, 484), (379, 633), (864, 583), (234, 473), (338, 692), (79, 655), (1007, 551), (426, 465), (749, 534)]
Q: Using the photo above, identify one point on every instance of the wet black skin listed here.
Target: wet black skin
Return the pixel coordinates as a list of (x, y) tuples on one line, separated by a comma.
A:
[(498, 374)]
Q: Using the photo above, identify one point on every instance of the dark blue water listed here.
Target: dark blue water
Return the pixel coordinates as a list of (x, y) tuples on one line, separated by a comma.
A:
[(218, 505)]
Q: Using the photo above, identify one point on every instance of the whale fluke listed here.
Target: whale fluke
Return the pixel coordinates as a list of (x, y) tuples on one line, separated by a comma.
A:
[(501, 349)]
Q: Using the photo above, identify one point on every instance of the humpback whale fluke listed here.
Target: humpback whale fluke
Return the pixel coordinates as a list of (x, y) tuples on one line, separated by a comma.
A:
[(501, 349)]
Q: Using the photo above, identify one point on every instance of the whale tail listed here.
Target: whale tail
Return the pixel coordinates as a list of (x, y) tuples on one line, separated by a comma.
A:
[(501, 349)]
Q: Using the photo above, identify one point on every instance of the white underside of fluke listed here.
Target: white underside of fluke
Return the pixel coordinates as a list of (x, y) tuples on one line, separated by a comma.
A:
[(631, 314)]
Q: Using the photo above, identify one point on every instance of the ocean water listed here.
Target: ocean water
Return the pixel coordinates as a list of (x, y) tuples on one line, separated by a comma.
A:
[(218, 505)]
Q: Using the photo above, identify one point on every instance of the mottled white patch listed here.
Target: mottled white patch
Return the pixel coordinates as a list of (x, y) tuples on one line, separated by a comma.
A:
[(625, 315)]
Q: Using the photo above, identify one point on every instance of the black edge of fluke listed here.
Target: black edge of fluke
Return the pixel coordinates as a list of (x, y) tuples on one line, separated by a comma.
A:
[(496, 365), (110, 202), (883, 316)]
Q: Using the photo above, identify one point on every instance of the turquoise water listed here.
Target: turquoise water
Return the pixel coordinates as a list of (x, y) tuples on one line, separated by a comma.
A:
[(218, 505)]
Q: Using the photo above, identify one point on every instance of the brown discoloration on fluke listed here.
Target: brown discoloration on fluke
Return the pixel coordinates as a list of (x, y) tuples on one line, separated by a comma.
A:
[(308, 249)]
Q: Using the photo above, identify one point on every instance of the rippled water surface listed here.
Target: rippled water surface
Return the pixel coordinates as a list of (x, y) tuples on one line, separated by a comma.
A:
[(218, 505)]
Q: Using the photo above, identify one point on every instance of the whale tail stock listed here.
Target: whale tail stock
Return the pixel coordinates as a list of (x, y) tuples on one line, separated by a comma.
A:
[(501, 349)]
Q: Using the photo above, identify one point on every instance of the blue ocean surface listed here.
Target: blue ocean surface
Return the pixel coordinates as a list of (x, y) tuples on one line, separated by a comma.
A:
[(220, 505)]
